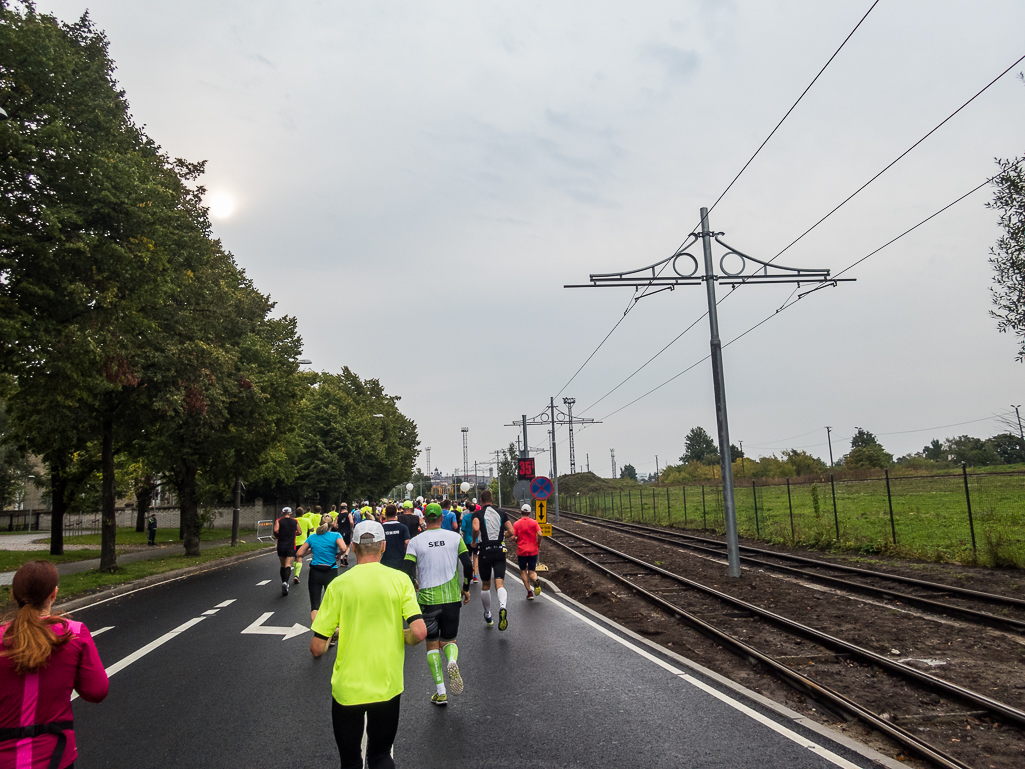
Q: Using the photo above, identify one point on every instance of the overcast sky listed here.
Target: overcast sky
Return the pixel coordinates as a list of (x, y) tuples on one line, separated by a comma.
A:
[(417, 181)]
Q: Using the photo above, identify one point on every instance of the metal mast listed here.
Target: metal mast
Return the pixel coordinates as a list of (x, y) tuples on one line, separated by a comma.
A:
[(466, 456), (613, 462), (682, 269), (572, 454)]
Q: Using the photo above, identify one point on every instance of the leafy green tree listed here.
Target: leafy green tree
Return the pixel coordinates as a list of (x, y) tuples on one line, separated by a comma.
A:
[(14, 463), (863, 438), (1008, 256), (974, 452), (935, 451), (803, 462), (699, 447), (628, 471), (872, 455), (1010, 448)]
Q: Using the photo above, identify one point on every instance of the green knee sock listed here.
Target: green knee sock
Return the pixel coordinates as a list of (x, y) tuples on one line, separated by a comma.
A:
[(434, 663), (451, 652), (298, 567)]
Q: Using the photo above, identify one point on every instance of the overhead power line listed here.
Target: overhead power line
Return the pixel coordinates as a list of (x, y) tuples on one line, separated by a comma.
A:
[(636, 298)]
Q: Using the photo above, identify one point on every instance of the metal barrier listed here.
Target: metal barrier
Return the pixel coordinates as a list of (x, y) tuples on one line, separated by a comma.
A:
[(264, 530)]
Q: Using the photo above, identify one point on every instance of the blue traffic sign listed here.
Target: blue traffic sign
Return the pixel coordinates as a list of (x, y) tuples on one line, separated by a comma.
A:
[(541, 487)]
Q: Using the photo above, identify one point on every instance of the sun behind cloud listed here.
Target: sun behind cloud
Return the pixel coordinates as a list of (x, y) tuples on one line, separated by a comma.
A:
[(221, 204)]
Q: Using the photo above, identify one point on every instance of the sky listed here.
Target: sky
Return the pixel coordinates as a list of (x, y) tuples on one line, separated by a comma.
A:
[(416, 182)]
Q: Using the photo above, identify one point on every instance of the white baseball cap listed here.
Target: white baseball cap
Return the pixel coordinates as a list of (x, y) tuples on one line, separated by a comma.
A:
[(363, 528), (525, 508), (286, 509)]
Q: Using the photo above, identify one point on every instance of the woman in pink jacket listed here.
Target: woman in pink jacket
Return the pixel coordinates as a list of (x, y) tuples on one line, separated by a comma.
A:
[(42, 659)]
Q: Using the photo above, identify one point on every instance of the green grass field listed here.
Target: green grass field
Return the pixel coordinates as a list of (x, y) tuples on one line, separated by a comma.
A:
[(930, 514), (127, 535)]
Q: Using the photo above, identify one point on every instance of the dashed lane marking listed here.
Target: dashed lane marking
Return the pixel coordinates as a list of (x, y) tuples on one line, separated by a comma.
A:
[(222, 604), (804, 742), (102, 630), (265, 582)]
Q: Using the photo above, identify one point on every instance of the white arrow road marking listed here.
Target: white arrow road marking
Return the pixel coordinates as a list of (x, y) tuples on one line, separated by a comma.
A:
[(102, 630), (258, 628)]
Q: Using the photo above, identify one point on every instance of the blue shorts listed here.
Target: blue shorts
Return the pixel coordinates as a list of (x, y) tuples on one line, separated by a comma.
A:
[(527, 562)]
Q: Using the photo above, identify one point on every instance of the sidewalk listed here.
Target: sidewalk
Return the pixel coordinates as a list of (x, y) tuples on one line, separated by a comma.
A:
[(143, 553)]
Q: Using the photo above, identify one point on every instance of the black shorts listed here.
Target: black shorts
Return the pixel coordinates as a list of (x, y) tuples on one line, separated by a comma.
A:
[(491, 562), (527, 562), (442, 620), (284, 551)]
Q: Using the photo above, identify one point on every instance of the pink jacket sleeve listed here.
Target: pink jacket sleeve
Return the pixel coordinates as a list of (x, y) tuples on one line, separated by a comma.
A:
[(91, 680)]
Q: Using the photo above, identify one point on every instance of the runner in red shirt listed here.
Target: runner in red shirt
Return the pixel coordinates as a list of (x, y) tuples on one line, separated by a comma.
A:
[(528, 545)]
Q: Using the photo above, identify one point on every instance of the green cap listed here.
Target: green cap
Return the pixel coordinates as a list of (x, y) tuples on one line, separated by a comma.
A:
[(407, 505), (433, 510)]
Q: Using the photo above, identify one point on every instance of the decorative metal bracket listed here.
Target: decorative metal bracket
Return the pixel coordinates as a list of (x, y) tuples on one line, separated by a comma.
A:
[(684, 269)]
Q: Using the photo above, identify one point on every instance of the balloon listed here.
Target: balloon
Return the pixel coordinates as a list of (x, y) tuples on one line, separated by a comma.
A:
[(464, 487)]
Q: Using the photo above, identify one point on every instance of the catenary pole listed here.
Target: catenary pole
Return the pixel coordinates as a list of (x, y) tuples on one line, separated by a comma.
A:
[(721, 419), (555, 466)]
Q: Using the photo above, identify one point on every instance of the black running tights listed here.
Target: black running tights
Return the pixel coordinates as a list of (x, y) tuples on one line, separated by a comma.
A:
[(382, 720), (320, 578)]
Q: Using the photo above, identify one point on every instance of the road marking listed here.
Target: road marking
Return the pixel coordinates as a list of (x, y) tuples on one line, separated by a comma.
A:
[(135, 656), (265, 582), (222, 604), (102, 630), (211, 611), (804, 742), (258, 628)]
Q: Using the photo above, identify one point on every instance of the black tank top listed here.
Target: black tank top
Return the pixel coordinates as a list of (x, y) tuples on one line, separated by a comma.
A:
[(287, 529)]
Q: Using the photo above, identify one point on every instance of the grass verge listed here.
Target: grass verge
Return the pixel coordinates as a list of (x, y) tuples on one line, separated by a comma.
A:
[(11, 560), (127, 535)]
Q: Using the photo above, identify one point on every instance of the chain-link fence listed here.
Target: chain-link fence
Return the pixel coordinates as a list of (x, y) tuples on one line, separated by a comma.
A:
[(970, 517)]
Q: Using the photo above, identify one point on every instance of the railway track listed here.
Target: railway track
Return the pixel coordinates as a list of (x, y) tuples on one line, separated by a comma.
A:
[(817, 571), (693, 603)]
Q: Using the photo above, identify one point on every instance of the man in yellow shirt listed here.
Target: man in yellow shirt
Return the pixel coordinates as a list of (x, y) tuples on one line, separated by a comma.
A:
[(367, 605), (305, 527)]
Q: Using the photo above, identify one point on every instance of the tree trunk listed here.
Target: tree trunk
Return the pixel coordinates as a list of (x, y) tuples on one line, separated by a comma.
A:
[(236, 512), (108, 540), (189, 506), (143, 499), (59, 504)]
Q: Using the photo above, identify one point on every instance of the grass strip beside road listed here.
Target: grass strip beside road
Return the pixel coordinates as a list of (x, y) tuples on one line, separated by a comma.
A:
[(83, 583), (127, 535), (12, 560)]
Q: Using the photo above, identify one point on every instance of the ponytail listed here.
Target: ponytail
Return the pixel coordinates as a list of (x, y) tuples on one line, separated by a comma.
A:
[(30, 638)]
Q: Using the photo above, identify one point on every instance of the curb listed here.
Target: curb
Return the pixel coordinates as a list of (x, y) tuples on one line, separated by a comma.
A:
[(110, 593)]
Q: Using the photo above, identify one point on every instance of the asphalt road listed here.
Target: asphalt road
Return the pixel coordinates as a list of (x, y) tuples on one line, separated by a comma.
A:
[(557, 689)]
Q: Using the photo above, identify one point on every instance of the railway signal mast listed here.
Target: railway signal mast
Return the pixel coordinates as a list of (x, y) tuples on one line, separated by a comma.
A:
[(681, 269)]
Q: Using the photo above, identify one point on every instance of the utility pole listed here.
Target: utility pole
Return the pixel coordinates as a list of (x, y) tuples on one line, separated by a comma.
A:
[(526, 446), (829, 438), (657, 473), (475, 479), (466, 461), (681, 269), (613, 462), (572, 454), (429, 473), (555, 466), (588, 456), (1020, 433), (743, 466), (498, 464)]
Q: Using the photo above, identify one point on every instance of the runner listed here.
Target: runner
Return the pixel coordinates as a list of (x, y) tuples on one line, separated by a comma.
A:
[(448, 519), (407, 517), (326, 546), (345, 526), (367, 605), (432, 561), (466, 527), (305, 527), (285, 529), (528, 545), (490, 527), (396, 537)]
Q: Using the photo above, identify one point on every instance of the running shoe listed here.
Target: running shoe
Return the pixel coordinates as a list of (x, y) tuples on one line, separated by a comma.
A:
[(530, 595), (334, 639), (475, 579), (440, 699), (537, 587), (295, 579), (455, 681), (503, 619), (284, 588), (487, 620)]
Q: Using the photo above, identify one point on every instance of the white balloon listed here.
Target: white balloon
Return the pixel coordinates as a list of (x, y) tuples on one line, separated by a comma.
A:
[(409, 487), (464, 487), (475, 500)]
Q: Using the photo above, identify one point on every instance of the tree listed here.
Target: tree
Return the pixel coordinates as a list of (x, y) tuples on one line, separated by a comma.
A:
[(872, 455), (803, 462), (863, 438), (628, 471), (14, 464), (1010, 448), (699, 447), (1008, 256)]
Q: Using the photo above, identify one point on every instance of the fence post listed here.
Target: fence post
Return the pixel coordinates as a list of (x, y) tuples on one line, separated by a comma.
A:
[(790, 503), (968, 501), (669, 509), (704, 511), (836, 518), (642, 508), (754, 493), (630, 501), (684, 506), (889, 501), (654, 506), (621, 511)]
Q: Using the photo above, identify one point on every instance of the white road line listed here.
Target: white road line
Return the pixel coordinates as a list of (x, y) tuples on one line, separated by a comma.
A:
[(804, 742), (265, 582), (102, 630), (137, 655), (210, 611), (222, 604)]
